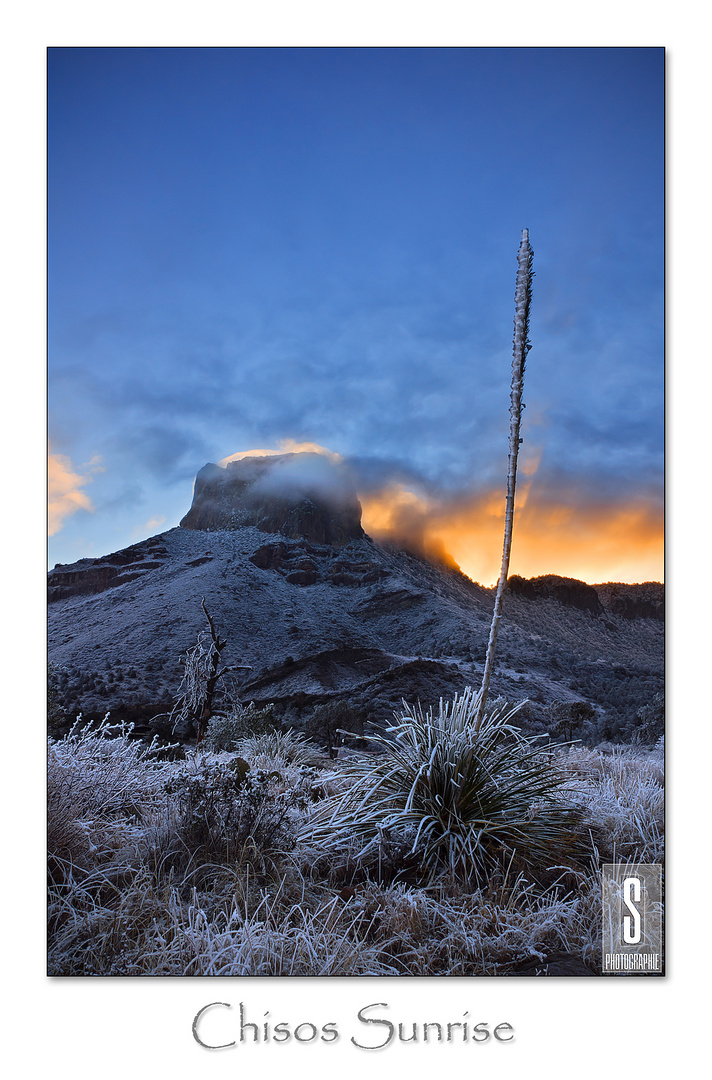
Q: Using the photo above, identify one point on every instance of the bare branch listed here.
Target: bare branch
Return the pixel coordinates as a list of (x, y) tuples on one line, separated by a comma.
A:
[(202, 672)]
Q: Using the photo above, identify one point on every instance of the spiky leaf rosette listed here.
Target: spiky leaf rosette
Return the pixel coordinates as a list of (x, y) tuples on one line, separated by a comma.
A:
[(465, 800)]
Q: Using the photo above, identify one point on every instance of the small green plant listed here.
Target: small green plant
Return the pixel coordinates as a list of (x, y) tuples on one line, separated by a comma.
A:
[(466, 800)]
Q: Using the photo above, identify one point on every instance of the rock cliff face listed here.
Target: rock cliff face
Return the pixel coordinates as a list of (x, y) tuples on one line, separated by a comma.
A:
[(301, 496), (89, 576)]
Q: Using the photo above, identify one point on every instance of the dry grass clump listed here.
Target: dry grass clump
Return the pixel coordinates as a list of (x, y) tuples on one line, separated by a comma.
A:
[(237, 923), (99, 785), (397, 930), (324, 939), (623, 796), (489, 931), (276, 749), (225, 730), (106, 770)]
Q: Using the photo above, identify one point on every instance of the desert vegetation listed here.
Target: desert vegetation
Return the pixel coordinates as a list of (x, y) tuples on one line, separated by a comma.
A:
[(432, 849)]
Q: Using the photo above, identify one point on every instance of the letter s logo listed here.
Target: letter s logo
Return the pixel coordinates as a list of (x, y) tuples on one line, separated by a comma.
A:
[(631, 884)]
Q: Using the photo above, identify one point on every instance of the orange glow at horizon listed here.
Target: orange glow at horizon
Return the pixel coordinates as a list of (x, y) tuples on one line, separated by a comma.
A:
[(383, 513), (594, 544)]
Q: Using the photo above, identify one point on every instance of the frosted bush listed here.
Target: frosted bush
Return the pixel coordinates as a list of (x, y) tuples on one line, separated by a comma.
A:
[(101, 786), (104, 769), (228, 811), (276, 748), (225, 731)]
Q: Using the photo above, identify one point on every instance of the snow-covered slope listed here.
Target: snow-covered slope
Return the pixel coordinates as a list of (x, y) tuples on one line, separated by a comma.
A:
[(317, 620)]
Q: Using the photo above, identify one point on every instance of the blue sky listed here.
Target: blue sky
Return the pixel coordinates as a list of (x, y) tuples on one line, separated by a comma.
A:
[(319, 245)]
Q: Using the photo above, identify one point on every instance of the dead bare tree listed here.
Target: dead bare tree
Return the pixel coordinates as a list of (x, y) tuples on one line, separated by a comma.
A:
[(201, 675), (522, 303)]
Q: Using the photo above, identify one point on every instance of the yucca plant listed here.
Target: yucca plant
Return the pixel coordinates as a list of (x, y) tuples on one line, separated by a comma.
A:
[(464, 800)]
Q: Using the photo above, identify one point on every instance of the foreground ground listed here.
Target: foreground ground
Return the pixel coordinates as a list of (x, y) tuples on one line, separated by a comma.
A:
[(205, 866)]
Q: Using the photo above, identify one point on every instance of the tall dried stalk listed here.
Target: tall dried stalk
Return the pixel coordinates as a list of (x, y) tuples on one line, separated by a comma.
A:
[(522, 303)]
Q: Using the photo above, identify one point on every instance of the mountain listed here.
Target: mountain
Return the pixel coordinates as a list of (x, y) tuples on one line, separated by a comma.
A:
[(321, 612), (301, 496)]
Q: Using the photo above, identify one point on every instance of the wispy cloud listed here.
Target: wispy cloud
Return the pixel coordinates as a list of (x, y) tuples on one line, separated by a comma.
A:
[(65, 485), (285, 446)]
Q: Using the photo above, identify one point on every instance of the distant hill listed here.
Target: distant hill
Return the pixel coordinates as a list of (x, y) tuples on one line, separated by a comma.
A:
[(319, 612)]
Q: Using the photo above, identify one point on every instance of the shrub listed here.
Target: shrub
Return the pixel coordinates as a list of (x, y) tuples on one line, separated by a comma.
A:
[(623, 797), (106, 770), (99, 782), (650, 721), (330, 721), (56, 715), (225, 731), (465, 800), (226, 809), (573, 719)]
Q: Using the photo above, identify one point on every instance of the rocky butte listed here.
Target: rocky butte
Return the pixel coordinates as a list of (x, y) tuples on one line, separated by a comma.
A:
[(302, 496), (321, 613)]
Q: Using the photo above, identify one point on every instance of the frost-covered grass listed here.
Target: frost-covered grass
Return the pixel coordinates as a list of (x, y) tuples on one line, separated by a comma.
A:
[(100, 784), (145, 881), (623, 794)]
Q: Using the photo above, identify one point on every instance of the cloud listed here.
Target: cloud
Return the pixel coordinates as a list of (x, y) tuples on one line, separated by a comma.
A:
[(148, 527), (286, 446), (65, 489), (409, 395), (424, 383)]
